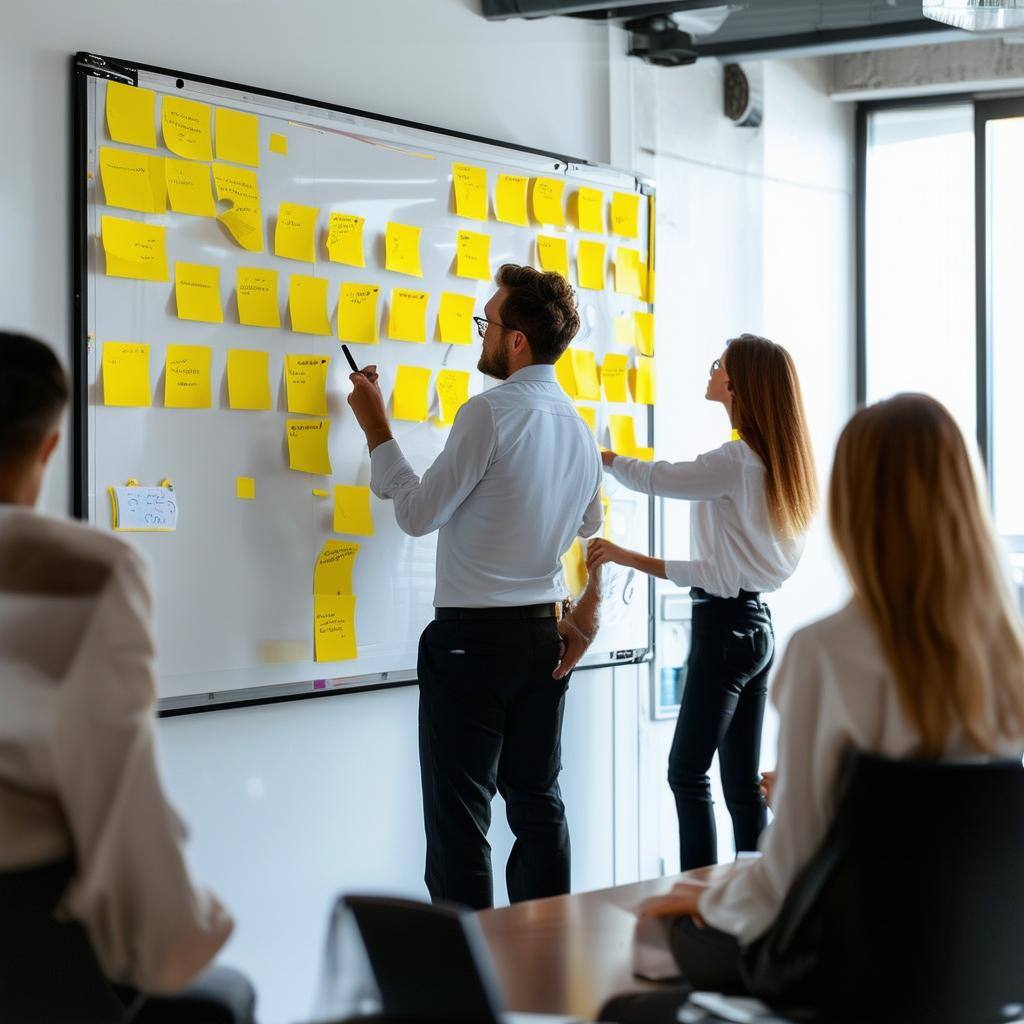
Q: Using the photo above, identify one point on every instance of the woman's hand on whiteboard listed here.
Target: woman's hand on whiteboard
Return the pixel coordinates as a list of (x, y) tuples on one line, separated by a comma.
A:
[(600, 551), (607, 458), (367, 403)]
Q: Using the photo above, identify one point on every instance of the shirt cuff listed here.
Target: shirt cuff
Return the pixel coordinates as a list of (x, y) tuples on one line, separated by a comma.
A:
[(386, 462)]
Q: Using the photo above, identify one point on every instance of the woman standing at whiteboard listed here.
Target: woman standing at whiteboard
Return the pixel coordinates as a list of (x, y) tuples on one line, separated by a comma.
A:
[(753, 500)]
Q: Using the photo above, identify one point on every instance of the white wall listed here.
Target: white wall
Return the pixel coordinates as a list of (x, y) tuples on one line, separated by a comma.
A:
[(755, 233), (292, 803)]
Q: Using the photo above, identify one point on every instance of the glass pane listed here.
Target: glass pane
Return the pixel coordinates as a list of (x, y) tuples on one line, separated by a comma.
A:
[(1005, 142), (919, 287)]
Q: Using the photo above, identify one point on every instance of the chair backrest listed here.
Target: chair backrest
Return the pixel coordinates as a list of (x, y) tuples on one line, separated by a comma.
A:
[(430, 962), (48, 971), (913, 908)]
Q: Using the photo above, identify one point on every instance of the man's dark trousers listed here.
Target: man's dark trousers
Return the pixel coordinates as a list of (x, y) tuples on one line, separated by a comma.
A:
[(491, 721)]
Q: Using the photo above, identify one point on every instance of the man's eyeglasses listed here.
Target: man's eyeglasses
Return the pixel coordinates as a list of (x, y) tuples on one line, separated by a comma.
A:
[(482, 322)]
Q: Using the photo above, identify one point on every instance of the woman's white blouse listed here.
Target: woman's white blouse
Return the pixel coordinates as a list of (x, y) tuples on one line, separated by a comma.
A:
[(835, 694), (733, 546)]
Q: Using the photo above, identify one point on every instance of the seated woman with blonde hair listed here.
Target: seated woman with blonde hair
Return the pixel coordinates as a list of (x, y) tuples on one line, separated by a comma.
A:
[(926, 661)]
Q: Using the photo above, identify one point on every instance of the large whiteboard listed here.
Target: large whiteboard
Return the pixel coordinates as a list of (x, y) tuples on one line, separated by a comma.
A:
[(233, 583)]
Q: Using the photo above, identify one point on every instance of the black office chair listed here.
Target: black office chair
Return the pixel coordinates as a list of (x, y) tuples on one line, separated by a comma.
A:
[(911, 912), (49, 973)]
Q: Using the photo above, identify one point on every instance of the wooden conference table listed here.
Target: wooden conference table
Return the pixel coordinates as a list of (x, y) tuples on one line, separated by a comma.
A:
[(570, 954)]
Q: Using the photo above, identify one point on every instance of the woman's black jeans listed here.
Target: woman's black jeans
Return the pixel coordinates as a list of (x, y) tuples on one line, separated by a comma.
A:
[(731, 650)]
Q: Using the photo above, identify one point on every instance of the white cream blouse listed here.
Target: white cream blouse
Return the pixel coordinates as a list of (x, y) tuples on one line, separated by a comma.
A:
[(78, 768)]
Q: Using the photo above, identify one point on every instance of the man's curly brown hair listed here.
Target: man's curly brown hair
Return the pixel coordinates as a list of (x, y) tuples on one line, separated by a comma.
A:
[(542, 306)]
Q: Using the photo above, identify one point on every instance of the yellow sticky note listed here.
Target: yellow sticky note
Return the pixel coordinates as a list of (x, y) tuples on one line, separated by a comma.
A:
[(625, 331), (244, 220), (644, 328), (646, 283), (553, 254), (334, 565), (345, 239), (411, 396), (470, 187), (131, 114), (613, 377), (295, 233), (625, 210), (547, 201), (188, 188), (237, 136), (186, 127), (643, 384), (126, 373), (455, 318), (187, 377), (408, 316), (357, 313), (627, 272), (452, 393), (305, 378), (473, 255), (245, 488), (334, 627), (352, 510), (307, 304), (589, 416), (256, 292), (510, 199), (133, 181), (584, 371), (307, 446), (590, 210), (197, 292), (402, 249), (623, 435), (563, 371), (590, 265), (574, 568), (278, 144), (134, 249), (248, 379)]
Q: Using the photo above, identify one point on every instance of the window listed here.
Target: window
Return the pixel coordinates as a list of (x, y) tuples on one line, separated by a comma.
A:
[(919, 320)]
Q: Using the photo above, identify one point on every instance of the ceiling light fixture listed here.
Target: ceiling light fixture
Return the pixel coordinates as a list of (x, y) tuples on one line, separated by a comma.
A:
[(977, 15)]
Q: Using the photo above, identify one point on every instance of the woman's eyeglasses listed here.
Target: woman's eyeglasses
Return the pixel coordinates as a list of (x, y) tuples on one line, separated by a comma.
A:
[(716, 365)]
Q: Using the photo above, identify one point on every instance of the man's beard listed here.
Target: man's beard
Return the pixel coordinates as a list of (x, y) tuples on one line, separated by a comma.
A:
[(496, 365)]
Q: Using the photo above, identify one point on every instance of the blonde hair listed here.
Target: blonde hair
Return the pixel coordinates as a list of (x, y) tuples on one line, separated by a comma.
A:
[(913, 529), (768, 411)]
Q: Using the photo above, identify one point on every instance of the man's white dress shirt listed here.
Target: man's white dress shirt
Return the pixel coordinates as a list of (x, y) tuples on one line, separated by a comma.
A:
[(519, 479), (733, 545)]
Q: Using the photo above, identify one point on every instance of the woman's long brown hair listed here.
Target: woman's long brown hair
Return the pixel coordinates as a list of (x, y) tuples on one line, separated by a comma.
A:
[(768, 411), (913, 528)]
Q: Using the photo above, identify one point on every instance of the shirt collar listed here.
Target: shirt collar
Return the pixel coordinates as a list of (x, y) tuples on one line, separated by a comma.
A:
[(544, 372)]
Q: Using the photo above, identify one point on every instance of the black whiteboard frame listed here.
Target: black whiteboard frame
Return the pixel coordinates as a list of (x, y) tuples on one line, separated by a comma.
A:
[(86, 65)]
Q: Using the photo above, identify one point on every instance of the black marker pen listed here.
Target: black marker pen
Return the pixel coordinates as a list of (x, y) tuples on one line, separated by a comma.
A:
[(351, 361)]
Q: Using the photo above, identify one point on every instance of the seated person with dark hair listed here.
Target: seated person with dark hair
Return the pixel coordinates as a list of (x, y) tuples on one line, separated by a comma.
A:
[(93, 878)]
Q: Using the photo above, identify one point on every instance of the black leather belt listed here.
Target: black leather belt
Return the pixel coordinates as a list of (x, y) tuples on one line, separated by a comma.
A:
[(525, 611)]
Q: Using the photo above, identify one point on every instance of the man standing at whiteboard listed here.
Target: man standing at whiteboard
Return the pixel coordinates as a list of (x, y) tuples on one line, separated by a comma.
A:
[(518, 480)]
